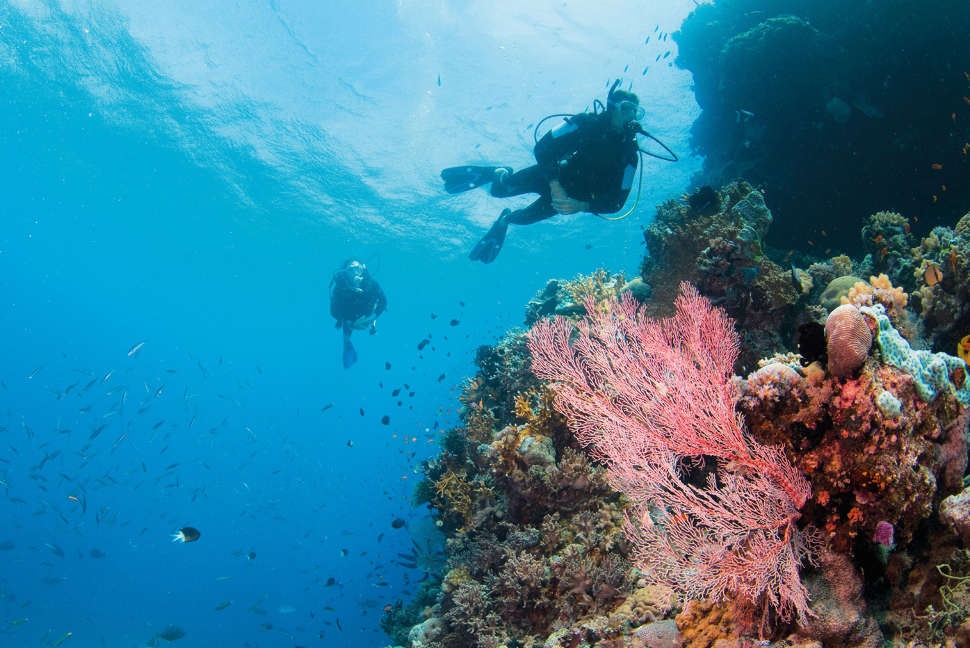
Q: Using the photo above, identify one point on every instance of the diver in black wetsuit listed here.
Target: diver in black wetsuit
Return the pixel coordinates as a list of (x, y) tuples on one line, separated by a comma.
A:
[(356, 301), (585, 165)]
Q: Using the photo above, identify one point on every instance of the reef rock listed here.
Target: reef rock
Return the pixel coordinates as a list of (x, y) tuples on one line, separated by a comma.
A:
[(955, 512)]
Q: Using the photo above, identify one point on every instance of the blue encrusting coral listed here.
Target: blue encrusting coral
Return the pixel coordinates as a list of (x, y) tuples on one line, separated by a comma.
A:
[(932, 372)]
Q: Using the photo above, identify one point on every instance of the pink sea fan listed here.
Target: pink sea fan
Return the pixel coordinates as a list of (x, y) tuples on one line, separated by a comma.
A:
[(848, 340), (652, 397)]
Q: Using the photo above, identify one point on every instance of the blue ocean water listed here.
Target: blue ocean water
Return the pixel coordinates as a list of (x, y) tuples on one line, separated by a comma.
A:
[(179, 182)]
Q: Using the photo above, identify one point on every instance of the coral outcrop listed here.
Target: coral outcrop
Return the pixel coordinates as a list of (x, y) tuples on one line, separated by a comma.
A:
[(715, 240), (535, 550)]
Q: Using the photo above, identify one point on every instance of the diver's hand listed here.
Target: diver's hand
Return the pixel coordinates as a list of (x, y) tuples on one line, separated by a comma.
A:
[(561, 201)]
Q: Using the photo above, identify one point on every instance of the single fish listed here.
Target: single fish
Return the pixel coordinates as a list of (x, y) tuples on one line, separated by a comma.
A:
[(57, 551), (135, 349), (186, 534), (171, 633)]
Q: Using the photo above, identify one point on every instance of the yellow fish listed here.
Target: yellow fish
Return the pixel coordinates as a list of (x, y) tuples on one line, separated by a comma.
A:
[(963, 349), (933, 274)]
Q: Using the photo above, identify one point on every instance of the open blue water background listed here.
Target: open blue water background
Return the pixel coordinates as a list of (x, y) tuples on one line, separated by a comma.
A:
[(187, 175)]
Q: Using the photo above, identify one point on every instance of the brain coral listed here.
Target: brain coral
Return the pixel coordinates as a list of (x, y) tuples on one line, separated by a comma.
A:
[(848, 339), (836, 289)]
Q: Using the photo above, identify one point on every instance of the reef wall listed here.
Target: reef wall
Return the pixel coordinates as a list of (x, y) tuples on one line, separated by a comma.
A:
[(834, 109), (848, 365)]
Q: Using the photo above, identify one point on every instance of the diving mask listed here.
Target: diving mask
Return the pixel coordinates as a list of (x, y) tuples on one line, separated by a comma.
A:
[(355, 274), (631, 110)]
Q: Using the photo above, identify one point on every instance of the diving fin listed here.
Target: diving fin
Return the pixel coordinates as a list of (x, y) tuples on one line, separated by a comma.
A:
[(464, 178), (350, 354), (491, 244)]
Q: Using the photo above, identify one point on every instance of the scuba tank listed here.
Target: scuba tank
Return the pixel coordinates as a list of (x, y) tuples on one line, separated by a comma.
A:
[(633, 127)]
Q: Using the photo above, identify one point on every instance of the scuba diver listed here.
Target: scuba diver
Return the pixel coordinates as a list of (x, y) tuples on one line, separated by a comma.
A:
[(587, 164), (356, 301)]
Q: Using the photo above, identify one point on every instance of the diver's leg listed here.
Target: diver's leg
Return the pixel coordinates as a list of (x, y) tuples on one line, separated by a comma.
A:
[(464, 178), (491, 244), (530, 180), (349, 353), (539, 210)]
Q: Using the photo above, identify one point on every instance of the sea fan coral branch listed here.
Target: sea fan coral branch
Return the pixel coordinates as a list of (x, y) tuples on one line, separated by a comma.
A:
[(654, 400)]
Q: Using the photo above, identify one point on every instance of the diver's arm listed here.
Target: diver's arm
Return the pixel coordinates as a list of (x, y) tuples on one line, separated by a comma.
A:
[(381, 304), (555, 146), (561, 201), (558, 144)]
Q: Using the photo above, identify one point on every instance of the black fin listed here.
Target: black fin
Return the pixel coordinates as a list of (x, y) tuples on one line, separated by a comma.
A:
[(465, 178), (491, 244), (350, 354)]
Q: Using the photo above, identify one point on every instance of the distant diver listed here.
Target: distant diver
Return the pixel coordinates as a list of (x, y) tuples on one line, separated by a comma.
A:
[(587, 164), (356, 301)]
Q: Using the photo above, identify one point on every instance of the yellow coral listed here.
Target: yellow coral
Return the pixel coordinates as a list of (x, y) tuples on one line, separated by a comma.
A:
[(882, 282), (456, 493), (888, 220), (472, 391), (878, 290), (536, 410), (455, 578), (703, 624), (523, 408), (600, 285)]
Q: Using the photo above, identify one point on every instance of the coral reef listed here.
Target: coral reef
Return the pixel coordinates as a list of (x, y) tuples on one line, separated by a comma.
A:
[(535, 540), (653, 400), (880, 290), (561, 297), (941, 273), (866, 463), (840, 608), (536, 553), (717, 244), (887, 242)]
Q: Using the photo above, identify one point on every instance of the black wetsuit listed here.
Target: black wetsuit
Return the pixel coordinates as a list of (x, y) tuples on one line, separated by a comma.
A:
[(348, 305), (593, 162)]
